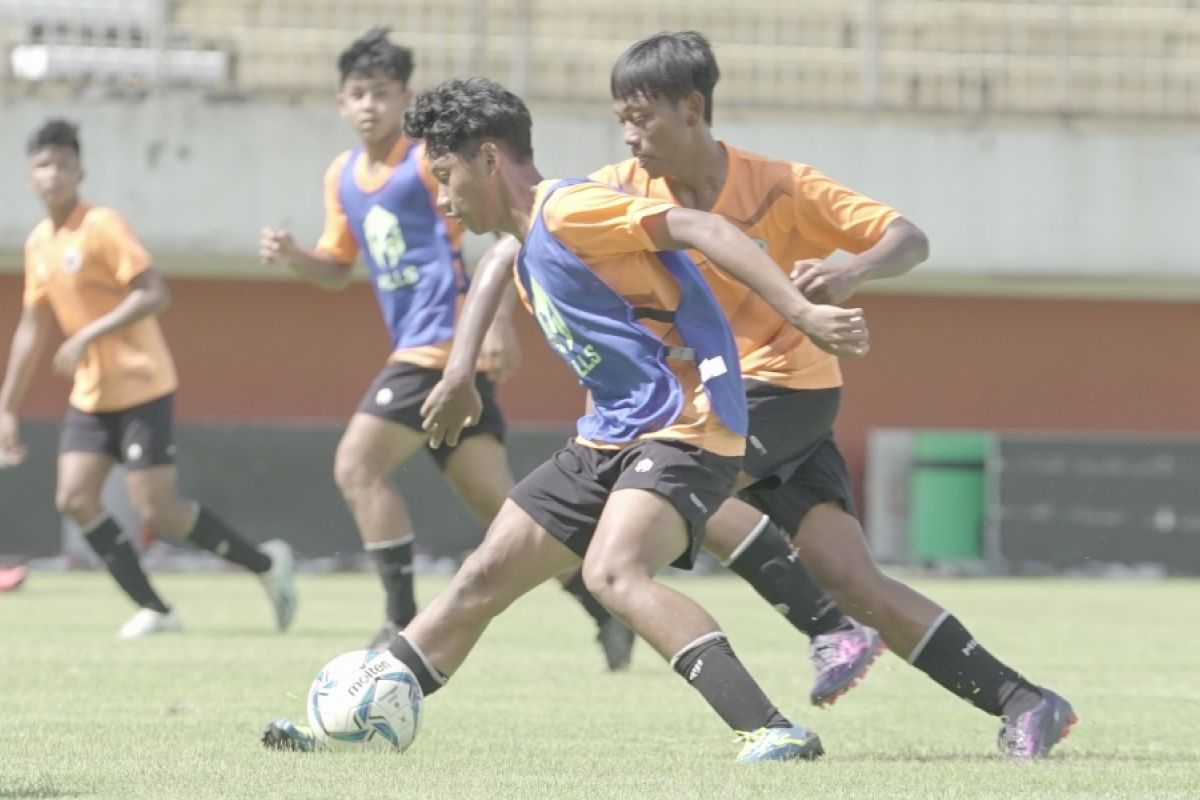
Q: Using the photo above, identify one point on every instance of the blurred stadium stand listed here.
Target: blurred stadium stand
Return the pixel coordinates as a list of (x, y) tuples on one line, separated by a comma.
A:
[(1055, 57)]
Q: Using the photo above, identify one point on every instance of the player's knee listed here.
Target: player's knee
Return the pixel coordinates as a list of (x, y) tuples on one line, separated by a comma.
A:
[(613, 582), (478, 590), (353, 477), (160, 511), (77, 504)]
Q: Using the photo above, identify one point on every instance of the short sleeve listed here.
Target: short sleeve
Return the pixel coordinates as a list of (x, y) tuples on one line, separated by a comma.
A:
[(117, 247), (835, 217), (337, 240), (596, 221)]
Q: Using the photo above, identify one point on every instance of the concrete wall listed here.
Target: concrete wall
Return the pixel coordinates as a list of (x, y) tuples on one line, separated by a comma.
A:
[(198, 179)]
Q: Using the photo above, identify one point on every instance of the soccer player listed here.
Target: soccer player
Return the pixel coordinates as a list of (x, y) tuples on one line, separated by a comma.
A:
[(379, 203), (661, 444), (83, 263), (662, 90)]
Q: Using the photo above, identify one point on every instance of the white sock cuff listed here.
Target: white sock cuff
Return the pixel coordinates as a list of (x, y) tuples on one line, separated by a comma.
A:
[(403, 540), (754, 534), (937, 623), (433, 671), (690, 646)]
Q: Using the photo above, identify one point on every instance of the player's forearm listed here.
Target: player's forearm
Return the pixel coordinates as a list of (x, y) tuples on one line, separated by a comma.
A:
[(733, 252), (902, 247), (500, 257), (492, 282), (23, 355), (137, 305), (320, 270)]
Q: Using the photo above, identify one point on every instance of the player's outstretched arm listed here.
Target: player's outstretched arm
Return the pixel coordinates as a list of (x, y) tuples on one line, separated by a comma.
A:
[(27, 342), (840, 331), (453, 403), (902, 246), (278, 246)]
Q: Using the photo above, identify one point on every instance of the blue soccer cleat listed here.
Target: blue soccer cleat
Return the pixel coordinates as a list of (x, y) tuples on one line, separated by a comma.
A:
[(283, 735), (796, 743)]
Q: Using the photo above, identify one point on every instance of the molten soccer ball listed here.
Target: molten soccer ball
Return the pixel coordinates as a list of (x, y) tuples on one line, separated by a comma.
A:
[(365, 698)]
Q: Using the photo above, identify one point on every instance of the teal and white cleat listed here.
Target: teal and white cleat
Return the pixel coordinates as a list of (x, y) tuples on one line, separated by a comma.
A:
[(796, 743), (279, 581), (283, 735)]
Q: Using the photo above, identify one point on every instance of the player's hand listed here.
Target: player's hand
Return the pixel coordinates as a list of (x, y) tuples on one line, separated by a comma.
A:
[(275, 246), (501, 351), (69, 354), (450, 407), (840, 331), (12, 452), (823, 282)]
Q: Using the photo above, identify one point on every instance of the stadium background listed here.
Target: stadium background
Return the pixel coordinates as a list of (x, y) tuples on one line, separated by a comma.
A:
[(1049, 149)]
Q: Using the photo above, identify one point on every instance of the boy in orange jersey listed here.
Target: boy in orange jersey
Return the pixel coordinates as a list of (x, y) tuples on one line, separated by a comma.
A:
[(379, 207), (662, 92), (84, 264), (660, 445)]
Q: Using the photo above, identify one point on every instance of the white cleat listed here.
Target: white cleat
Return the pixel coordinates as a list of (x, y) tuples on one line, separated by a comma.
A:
[(279, 581), (148, 622)]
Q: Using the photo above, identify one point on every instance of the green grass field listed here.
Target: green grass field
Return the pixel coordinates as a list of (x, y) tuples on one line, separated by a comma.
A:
[(532, 714)]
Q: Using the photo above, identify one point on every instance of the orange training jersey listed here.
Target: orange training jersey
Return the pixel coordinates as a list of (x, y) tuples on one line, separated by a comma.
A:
[(84, 270), (338, 240), (603, 229), (794, 213)]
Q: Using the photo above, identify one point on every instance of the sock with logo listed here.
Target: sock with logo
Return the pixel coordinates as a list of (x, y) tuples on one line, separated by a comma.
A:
[(212, 534), (591, 605), (428, 676), (394, 561), (112, 545), (710, 666), (951, 656), (765, 559)]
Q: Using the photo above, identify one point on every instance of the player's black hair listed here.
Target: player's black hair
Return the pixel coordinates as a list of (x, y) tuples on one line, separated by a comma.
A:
[(670, 65), (374, 53), (54, 133), (458, 115)]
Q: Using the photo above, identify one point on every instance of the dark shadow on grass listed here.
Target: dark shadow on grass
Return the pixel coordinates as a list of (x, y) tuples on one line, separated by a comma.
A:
[(37, 792)]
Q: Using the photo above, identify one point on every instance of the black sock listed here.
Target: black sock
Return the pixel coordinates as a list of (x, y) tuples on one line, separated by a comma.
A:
[(112, 545), (767, 562), (212, 534), (952, 657), (590, 604), (394, 561), (427, 674), (710, 666)]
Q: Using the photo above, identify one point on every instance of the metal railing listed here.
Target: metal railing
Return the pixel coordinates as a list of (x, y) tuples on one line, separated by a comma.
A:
[(1056, 57)]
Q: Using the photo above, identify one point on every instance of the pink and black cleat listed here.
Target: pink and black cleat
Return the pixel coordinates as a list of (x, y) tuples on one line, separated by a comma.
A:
[(841, 659)]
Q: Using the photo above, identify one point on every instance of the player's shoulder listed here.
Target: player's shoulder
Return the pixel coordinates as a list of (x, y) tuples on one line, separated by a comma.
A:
[(624, 175), (102, 219), (765, 169), (339, 162), (38, 235)]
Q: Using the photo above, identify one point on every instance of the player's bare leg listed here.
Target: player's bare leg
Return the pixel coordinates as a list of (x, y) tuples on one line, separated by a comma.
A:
[(515, 556), (639, 533), (81, 477), (370, 451)]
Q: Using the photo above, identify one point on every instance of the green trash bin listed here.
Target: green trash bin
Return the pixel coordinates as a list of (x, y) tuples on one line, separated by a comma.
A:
[(946, 496)]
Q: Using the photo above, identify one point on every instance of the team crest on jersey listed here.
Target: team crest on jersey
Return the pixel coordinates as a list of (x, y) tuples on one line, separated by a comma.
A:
[(72, 261)]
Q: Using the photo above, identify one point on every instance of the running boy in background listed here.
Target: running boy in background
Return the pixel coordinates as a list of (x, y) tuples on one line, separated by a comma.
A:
[(85, 265), (380, 204)]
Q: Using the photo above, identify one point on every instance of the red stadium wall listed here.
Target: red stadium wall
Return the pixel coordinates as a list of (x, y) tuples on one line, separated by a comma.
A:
[(269, 350)]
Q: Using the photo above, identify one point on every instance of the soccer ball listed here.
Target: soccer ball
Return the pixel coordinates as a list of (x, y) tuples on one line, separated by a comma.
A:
[(365, 699)]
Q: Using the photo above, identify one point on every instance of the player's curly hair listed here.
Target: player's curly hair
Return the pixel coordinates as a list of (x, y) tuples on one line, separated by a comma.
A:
[(458, 115), (670, 65), (54, 133), (373, 53)]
